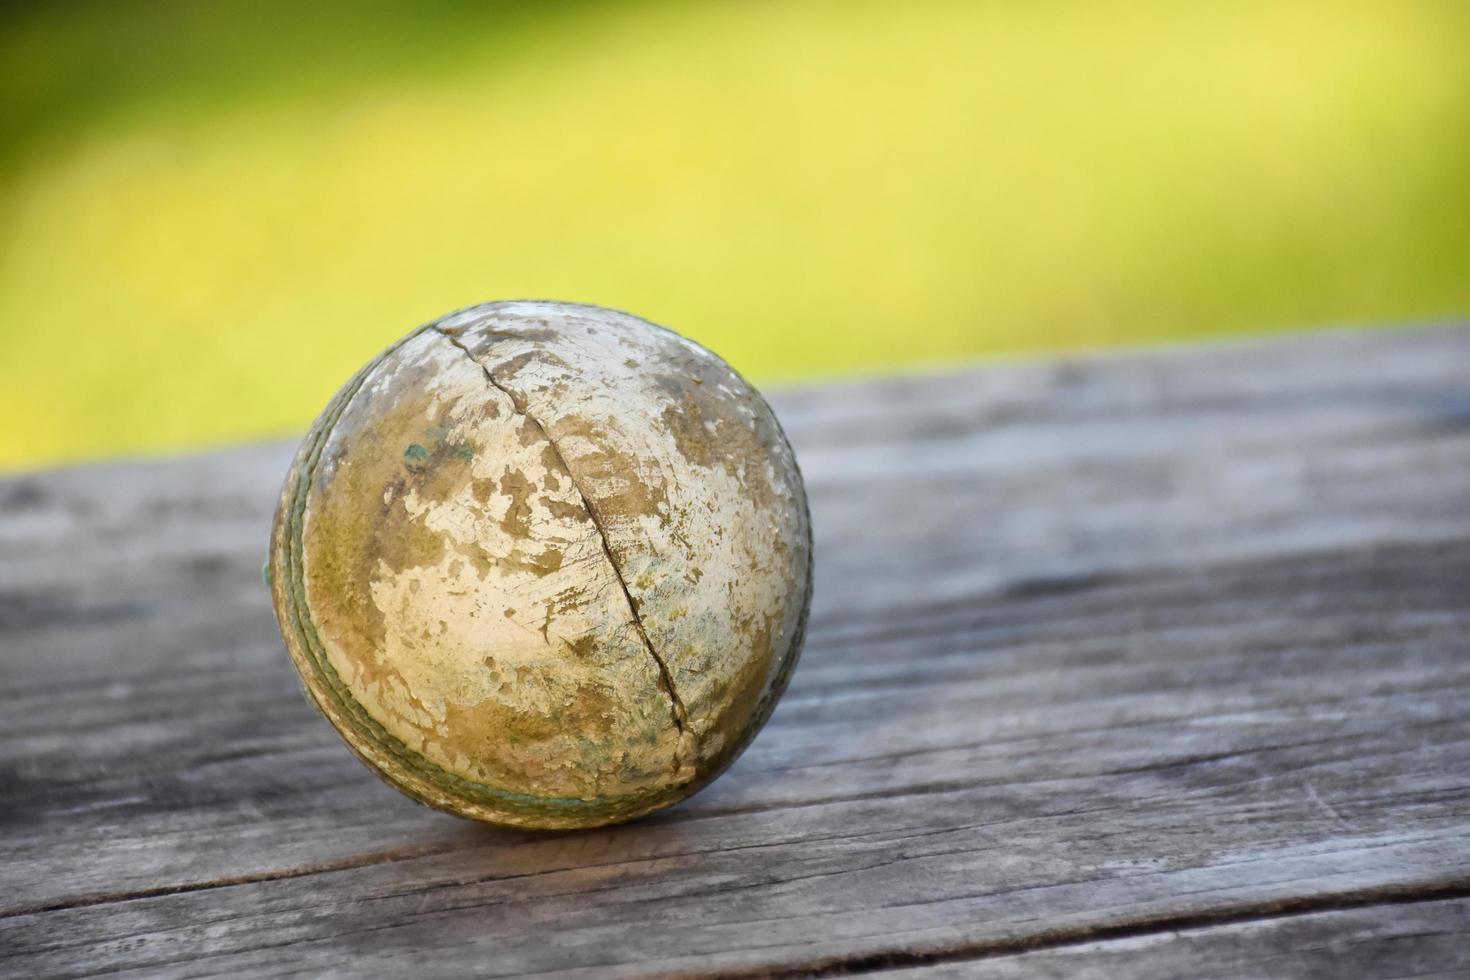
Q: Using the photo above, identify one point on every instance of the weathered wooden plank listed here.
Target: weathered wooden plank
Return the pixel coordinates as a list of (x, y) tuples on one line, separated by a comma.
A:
[(1422, 940), (1097, 824), (1093, 643)]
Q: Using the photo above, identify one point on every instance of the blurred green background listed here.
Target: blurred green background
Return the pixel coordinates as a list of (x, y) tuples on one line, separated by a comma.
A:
[(212, 213)]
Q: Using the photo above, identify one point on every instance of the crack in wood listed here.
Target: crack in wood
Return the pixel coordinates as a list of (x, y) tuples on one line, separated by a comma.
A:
[(1059, 938), (232, 881)]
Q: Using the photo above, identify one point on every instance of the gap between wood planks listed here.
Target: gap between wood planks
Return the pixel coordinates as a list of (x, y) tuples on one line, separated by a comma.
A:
[(188, 887), (1081, 935)]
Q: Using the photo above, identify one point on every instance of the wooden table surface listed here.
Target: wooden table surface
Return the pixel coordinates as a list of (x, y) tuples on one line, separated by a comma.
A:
[(1141, 665)]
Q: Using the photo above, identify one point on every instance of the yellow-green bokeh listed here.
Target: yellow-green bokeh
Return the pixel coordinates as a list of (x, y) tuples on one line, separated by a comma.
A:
[(211, 214)]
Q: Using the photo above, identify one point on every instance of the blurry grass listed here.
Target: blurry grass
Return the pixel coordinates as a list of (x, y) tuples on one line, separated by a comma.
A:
[(211, 214)]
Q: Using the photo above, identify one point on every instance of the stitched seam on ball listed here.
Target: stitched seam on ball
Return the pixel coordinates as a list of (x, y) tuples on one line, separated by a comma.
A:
[(666, 678), (305, 629)]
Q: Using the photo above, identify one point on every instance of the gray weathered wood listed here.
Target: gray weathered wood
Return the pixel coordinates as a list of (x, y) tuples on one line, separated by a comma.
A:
[(1104, 650), (1423, 940)]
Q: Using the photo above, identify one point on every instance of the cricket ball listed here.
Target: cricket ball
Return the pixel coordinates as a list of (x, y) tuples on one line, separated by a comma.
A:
[(544, 564)]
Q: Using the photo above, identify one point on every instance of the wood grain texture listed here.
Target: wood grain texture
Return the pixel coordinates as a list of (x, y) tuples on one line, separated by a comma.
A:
[(1131, 659), (1423, 940)]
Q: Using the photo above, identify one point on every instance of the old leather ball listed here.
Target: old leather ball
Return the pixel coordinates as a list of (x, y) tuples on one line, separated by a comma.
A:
[(544, 564)]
